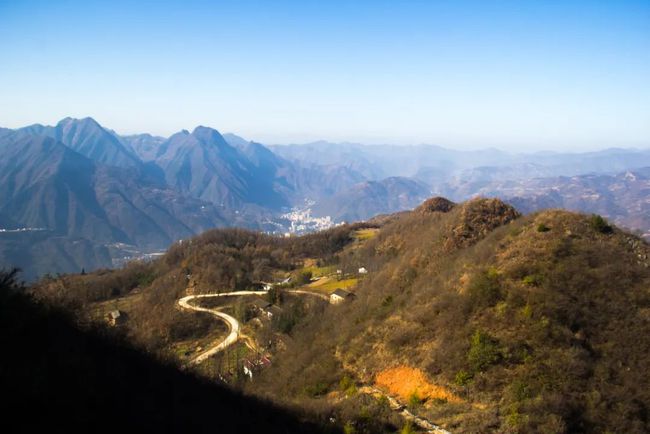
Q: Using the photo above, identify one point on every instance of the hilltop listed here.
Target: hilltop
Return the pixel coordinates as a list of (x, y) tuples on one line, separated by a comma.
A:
[(532, 324), (473, 316)]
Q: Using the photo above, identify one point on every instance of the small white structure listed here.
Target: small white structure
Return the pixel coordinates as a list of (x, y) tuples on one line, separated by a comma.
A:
[(363, 270), (114, 317), (339, 296), (273, 311)]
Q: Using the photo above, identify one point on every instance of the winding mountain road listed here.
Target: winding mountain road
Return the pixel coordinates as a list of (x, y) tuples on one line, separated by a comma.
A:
[(233, 324), (234, 335)]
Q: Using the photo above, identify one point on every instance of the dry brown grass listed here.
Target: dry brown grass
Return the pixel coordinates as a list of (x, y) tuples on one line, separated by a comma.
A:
[(405, 381)]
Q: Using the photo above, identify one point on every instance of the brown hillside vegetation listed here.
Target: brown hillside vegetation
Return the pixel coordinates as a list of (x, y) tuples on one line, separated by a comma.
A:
[(501, 323), (542, 320), (435, 204), (408, 382)]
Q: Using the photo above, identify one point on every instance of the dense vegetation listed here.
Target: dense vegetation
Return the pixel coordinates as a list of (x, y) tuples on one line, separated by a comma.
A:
[(518, 324), (537, 330), (219, 260)]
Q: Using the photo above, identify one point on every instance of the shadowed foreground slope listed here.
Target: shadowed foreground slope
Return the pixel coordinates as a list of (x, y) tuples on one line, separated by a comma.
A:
[(83, 380)]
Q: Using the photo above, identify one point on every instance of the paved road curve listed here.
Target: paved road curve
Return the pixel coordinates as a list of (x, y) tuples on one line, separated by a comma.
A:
[(234, 335), (233, 324)]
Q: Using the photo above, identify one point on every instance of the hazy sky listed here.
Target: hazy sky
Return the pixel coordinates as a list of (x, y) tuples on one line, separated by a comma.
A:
[(517, 75)]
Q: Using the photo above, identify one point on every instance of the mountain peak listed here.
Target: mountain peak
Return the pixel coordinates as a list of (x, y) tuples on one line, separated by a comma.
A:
[(201, 129), (89, 138), (208, 135), (87, 121)]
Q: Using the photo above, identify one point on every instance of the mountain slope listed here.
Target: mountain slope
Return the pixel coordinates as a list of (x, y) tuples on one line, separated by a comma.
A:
[(511, 324), (202, 164), (471, 315), (368, 199), (41, 252), (88, 138), (82, 206), (45, 184)]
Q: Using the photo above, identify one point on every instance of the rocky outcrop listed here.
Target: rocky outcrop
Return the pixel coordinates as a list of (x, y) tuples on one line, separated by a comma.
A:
[(477, 218), (435, 204)]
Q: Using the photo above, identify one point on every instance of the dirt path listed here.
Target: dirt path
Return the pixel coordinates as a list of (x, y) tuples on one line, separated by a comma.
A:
[(395, 405)]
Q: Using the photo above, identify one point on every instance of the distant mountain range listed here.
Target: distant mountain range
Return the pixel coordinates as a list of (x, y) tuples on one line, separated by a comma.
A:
[(79, 184), (78, 195), (368, 199), (624, 198)]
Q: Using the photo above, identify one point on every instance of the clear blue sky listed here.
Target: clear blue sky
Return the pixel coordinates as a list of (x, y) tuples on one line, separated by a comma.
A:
[(540, 74)]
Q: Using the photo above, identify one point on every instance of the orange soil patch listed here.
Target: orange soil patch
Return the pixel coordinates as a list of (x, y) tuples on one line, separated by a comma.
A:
[(404, 381)]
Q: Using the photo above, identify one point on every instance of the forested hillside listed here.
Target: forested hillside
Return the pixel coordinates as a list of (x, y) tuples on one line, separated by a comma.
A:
[(474, 317)]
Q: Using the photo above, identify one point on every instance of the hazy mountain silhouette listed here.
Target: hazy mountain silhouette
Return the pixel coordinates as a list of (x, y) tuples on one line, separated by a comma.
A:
[(145, 146), (81, 181), (88, 138), (204, 165), (370, 198)]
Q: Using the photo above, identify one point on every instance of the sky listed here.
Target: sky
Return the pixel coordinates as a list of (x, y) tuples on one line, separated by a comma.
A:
[(516, 75)]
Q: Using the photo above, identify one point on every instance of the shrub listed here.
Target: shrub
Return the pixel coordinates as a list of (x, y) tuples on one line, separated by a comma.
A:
[(599, 224), (414, 400), (533, 280), (484, 289), (349, 428), (520, 391), (316, 390), (514, 419), (407, 428), (542, 228), (483, 351), (463, 378), (274, 295), (287, 320), (304, 277), (387, 301), (347, 385)]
